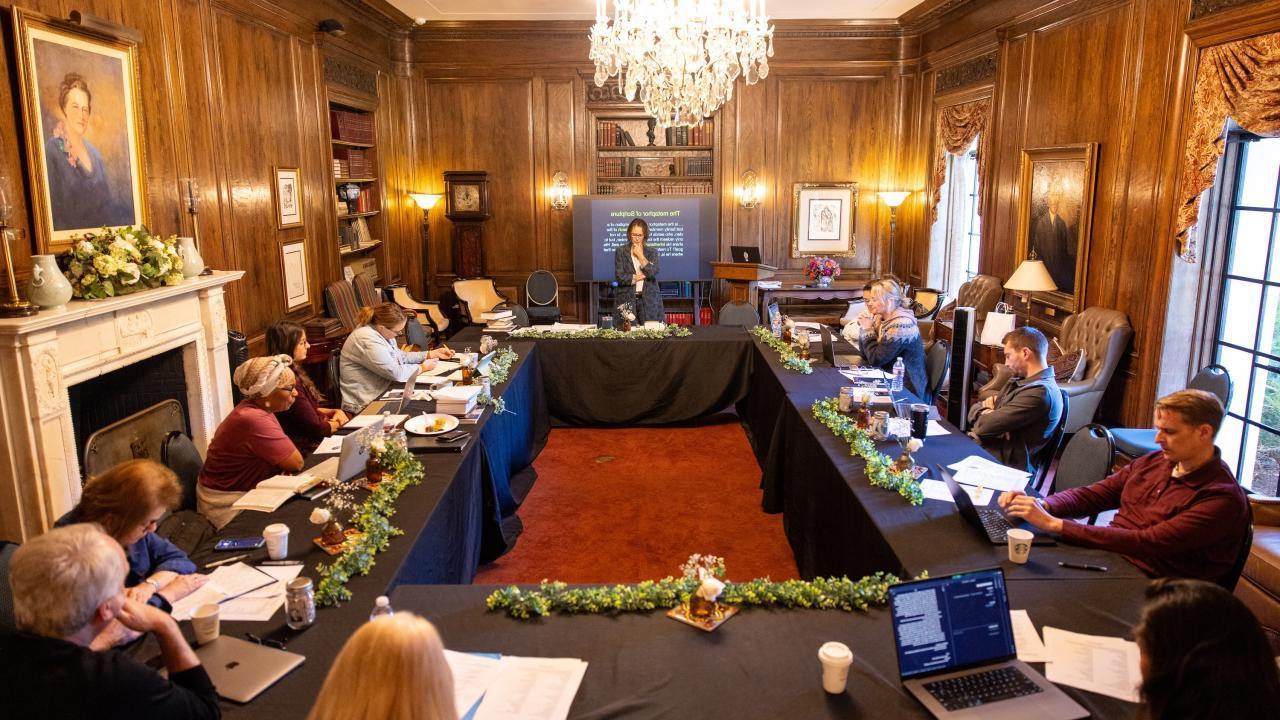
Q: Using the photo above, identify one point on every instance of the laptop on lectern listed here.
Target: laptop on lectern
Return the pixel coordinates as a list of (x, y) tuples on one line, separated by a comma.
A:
[(956, 655), (744, 253)]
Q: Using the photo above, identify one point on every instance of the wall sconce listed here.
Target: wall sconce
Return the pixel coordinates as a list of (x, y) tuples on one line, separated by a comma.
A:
[(893, 200), (559, 191), (750, 190), (426, 201)]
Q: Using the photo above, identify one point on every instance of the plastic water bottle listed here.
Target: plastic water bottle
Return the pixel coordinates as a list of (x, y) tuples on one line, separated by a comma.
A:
[(895, 385), (776, 325), (381, 606)]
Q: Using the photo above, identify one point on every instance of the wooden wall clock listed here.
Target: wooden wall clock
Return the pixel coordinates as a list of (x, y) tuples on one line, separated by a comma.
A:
[(467, 206)]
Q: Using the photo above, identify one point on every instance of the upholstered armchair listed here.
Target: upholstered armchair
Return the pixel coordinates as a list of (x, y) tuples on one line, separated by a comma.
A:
[(1103, 334), (981, 293), (478, 295), (1259, 585)]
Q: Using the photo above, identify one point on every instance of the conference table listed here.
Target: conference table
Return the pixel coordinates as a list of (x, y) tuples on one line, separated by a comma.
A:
[(762, 663)]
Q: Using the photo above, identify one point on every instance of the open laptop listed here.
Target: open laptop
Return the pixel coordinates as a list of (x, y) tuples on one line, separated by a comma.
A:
[(242, 670), (989, 520), (395, 406), (745, 253), (829, 352), (351, 459), (956, 654)]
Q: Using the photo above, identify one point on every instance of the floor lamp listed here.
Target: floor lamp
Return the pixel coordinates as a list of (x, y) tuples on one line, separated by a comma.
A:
[(1031, 276), (893, 200), (426, 201)]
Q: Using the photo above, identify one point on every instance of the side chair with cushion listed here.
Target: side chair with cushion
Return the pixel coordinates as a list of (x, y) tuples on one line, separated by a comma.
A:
[(340, 302), (478, 295), (367, 293), (1103, 334), (1259, 581), (1085, 460), (1136, 442), (543, 292), (981, 293)]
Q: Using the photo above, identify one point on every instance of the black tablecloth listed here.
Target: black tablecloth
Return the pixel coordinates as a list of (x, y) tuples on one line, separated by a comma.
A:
[(760, 664), (628, 383)]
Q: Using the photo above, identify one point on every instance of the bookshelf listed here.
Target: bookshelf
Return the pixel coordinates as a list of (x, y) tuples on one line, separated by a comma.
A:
[(632, 156), (357, 191), (684, 302)]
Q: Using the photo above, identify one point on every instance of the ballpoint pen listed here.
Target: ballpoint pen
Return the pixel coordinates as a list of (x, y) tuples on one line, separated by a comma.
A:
[(225, 561), (1082, 566), (280, 562)]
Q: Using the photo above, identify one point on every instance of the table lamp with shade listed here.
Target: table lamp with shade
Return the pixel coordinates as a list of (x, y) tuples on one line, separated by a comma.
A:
[(893, 200), (426, 201), (1031, 276)]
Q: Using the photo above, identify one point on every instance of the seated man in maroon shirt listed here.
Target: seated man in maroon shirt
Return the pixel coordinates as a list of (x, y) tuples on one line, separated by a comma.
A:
[(1181, 512)]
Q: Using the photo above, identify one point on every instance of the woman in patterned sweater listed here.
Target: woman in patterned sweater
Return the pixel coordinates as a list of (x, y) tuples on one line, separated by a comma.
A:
[(887, 331)]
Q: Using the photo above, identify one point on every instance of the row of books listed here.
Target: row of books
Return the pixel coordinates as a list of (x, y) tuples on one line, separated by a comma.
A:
[(617, 167), (696, 166), (354, 234), (686, 318), (351, 126), (366, 201), (352, 162), (611, 134), (684, 189), (701, 134)]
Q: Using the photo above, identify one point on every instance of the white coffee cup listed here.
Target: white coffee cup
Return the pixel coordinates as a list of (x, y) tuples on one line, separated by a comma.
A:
[(277, 537), (836, 659), (1019, 544), (205, 621)]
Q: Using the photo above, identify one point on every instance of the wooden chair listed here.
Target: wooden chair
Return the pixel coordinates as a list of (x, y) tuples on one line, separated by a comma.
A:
[(478, 295)]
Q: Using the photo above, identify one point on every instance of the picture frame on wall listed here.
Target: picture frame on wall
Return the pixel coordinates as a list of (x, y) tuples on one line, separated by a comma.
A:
[(81, 105), (288, 196), (1055, 217), (823, 217), (293, 258)]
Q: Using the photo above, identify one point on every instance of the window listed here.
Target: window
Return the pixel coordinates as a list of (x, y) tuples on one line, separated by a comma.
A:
[(956, 238), (1247, 339)]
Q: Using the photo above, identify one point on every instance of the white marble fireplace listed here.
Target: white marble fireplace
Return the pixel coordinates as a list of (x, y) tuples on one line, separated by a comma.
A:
[(43, 355)]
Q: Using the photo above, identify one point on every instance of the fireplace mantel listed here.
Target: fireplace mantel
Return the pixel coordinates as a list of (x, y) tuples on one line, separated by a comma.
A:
[(43, 355)]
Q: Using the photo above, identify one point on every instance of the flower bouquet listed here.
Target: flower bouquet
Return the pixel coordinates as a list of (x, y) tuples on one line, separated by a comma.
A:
[(822, 269), (703, 608), (120, 261), (627, 311)]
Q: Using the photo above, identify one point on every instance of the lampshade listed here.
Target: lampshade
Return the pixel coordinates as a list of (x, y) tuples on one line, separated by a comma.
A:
[(425, 201), (1031, 276), (893, 199)]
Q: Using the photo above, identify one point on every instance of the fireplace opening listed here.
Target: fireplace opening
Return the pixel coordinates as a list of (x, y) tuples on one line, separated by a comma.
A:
[(98, 402)]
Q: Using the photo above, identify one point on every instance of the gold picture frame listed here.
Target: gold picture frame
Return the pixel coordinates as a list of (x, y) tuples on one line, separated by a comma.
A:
[(1055, 217), (293, 269), (823, 217), (81, 105), (286, 189)]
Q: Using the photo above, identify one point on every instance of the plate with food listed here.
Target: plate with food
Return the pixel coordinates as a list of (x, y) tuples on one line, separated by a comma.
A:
[(431, 424)]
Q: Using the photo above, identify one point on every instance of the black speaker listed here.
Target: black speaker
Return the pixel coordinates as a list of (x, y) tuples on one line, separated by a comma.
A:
[(961, 368)]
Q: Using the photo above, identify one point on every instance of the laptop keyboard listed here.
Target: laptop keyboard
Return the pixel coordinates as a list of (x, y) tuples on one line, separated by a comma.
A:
[(995, 523), (990, 686)]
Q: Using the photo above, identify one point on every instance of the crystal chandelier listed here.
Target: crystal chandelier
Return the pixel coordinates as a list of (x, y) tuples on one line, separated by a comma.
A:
[(681, 56)]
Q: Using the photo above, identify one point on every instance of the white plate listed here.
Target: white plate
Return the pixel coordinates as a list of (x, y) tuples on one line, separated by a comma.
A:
[(421, 424)]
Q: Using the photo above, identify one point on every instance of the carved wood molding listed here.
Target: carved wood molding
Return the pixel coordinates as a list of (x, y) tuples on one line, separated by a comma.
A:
[(1204, 8), (340, 72), (971, 72)]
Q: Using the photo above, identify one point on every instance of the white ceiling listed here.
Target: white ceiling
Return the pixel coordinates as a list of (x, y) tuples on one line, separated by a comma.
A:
[(585, 9)]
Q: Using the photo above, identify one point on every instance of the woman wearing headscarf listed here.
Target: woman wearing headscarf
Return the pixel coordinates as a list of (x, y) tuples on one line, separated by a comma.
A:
[(250, 446)]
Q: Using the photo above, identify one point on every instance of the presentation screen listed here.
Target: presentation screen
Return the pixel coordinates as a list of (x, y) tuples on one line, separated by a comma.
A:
[(683, 228)]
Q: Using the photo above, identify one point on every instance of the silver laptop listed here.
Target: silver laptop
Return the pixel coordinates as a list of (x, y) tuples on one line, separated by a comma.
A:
[(242, 670), (396, 402), (956, 655), (351, 459), (988, 520), (829, 352)]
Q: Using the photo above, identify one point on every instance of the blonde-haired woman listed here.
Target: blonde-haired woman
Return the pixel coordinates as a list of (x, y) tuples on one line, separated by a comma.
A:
[(392, 668), (371, 362), (250, 446), (886, 331)]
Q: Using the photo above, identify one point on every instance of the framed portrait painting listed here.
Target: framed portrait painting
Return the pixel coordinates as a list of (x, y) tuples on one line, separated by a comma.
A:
[(294, 262), (1055, 216), (822, 219), (288, 194), (83, 127)]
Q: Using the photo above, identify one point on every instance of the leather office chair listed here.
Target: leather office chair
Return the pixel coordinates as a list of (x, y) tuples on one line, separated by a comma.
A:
[(428, 310), (543, 293), (1085, 460), (1259, 582), (1103, 334), (1136, 442), (340, 302), (478, 296), (367, 294), (981, 293)]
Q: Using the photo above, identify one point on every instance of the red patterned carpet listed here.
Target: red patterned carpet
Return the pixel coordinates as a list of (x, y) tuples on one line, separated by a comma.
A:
[(666, 493)]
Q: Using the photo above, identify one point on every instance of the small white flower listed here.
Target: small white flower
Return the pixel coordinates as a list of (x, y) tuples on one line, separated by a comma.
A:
[(710, 588), (84, 246), (914, 444), (320, 516), (130, 273)]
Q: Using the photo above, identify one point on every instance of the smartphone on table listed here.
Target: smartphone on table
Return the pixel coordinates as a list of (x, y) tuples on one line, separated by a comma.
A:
[(244, 543)]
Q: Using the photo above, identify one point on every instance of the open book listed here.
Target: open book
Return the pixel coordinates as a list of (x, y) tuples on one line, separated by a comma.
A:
[(274, 491)]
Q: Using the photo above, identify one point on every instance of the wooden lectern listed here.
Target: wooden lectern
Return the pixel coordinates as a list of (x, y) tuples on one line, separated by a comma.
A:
[(742, 279)]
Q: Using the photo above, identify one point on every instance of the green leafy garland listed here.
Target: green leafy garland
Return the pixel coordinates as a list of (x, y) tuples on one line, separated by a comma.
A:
[(790, 360), (500, 365), (606, 333), (879, 473), (373, 518), (499, 405), (820, 593)]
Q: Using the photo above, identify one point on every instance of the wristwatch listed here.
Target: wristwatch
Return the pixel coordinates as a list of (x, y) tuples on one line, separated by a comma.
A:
[(153, 584)]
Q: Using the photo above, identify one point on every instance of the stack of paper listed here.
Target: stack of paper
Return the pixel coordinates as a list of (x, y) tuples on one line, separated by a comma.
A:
[(980, 472), (1106, 665), (514, 688), (499, 320), (225, 583), (364, 421), (457, 400), (566, 327), (274, 491), (260, 605)]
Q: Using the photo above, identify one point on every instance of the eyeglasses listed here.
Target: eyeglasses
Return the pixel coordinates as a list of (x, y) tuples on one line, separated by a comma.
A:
[(286, 388), (265, 641)]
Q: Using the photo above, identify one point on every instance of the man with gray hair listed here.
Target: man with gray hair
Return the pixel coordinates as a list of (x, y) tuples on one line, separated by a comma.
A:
[(68, 585)]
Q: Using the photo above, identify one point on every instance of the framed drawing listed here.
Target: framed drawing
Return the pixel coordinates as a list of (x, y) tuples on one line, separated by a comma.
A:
[(288, 194), (83, 127), (822, 219), (294, 261), (1055, 216)]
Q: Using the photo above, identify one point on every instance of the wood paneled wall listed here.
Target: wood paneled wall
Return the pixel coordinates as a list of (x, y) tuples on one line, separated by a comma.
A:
[(230, 89)]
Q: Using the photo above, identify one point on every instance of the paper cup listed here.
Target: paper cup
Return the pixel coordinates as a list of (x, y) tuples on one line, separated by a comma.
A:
[(205, 621), (277, 537), (836, 659), (1019, 544)]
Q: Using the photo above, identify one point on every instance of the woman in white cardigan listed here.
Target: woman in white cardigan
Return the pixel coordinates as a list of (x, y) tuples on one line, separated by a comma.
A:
[(371, 362)]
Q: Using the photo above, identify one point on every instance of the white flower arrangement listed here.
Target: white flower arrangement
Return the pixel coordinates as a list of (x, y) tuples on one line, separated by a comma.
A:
[(121, 261), (913, 445), (320, 516), (627, 312), (710, 588)]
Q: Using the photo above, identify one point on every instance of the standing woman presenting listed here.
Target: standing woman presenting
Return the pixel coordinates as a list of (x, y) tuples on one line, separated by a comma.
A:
[(635, 267)]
